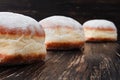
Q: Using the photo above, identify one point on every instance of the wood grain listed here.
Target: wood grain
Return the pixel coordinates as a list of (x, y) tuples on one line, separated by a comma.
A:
[(99, 61)]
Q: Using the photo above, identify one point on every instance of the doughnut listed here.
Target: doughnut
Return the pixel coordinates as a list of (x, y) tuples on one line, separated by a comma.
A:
[(21, 39), (100, 30), (62, 33)]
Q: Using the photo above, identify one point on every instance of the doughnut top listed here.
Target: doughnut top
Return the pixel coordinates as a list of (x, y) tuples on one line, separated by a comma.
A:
[(60, 21), (9, 20), (99, 23)]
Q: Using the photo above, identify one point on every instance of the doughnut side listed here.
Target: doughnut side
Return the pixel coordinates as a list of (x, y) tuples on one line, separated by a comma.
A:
[(13, 47), (100, 34), (64, 38)]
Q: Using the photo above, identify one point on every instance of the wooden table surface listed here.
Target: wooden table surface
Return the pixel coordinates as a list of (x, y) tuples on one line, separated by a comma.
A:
[(98, 61)]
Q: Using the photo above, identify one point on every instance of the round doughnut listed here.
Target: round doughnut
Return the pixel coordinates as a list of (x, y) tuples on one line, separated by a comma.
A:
[(62, 33), (21, 39), (100, 30)]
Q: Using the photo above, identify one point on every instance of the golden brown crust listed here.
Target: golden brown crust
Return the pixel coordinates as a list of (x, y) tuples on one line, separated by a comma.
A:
[(100, 39), (19, 31), (20, 59), (64, 46), (99, 28)]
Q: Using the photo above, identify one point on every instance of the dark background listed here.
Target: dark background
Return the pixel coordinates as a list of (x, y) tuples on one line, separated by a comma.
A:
[(80, 10)]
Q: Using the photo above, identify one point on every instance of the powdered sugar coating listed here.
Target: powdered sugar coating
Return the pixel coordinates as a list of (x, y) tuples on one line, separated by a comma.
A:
[(13, 20), (99, 23), (61, 21)]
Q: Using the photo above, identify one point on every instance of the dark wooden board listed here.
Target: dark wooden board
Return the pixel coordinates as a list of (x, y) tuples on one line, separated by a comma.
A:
[(99, 61)]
